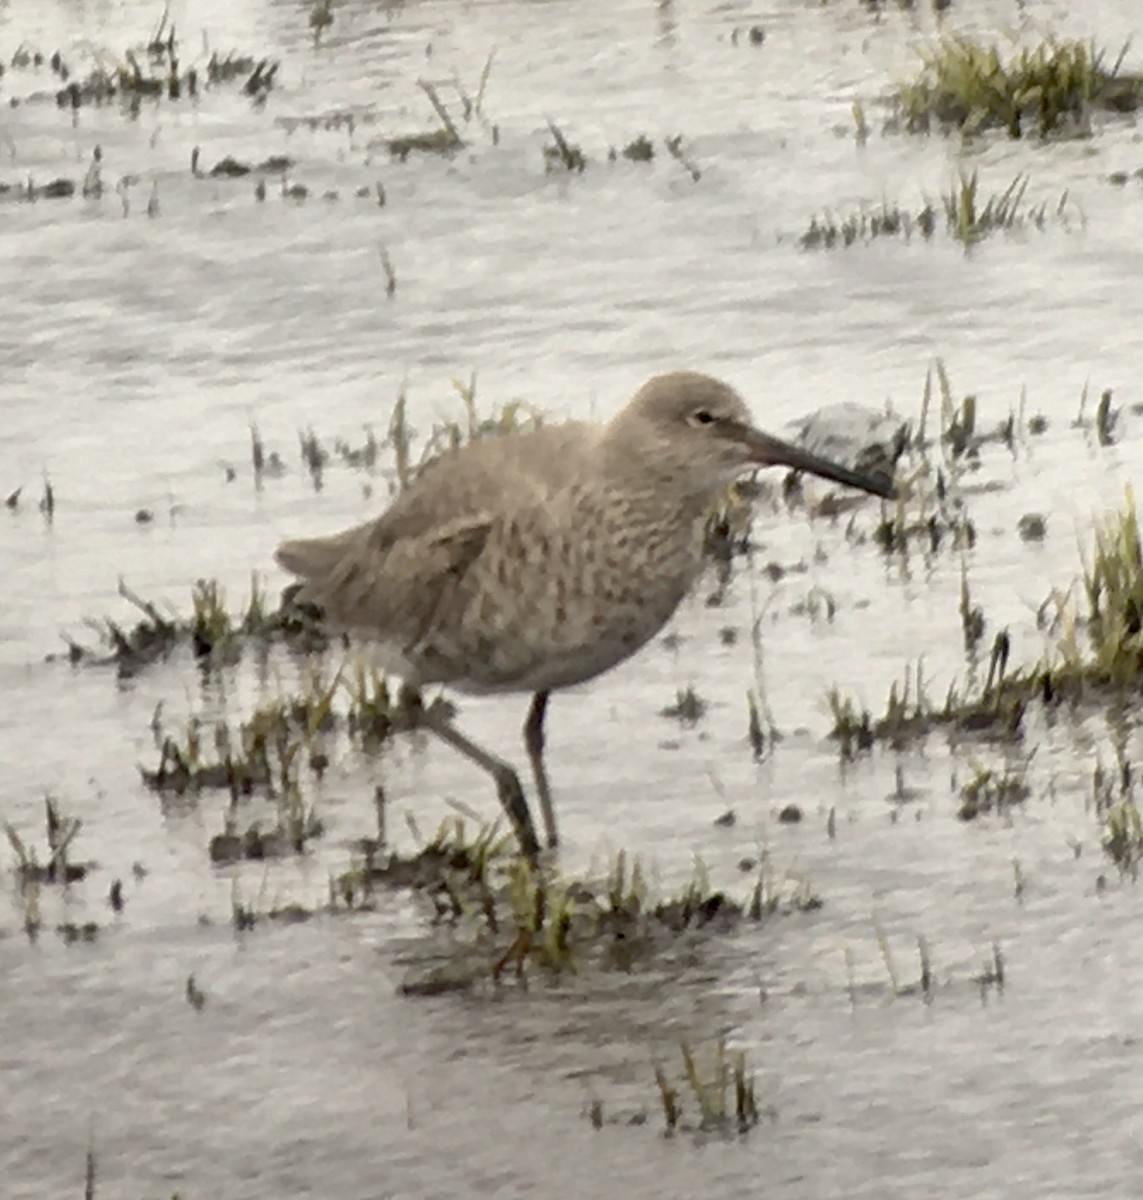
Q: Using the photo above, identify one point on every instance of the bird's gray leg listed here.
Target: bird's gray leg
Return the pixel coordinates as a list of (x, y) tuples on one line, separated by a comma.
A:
[(507, 781), (534, 741)]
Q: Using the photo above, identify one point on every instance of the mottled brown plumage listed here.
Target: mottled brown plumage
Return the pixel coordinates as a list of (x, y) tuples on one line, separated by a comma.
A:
[(537, 560)]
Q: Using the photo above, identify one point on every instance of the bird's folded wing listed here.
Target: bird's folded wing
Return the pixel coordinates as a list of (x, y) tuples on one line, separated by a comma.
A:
[(397, 588)]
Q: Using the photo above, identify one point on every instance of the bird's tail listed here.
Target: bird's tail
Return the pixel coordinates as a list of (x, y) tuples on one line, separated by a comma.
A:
[(312, 558)]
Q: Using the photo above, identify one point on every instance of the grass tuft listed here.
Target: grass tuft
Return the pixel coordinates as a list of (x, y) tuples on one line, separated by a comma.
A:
[(994, 790), (969, 217), (723, 1092), (971, 86), (1123, 836)]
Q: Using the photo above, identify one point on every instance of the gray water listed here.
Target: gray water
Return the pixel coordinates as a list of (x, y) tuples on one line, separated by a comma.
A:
[(136, 350)]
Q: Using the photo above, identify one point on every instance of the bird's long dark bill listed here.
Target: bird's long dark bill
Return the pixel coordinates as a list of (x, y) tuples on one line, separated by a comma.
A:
[(770, 451)]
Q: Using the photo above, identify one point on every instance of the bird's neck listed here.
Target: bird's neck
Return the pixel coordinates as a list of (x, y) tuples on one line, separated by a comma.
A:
[(653, 481)]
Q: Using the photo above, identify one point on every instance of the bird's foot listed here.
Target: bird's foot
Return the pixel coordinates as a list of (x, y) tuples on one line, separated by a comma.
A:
[(518, 953)]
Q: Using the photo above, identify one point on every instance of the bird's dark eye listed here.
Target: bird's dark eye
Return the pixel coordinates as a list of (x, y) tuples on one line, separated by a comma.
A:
[(703, 417)]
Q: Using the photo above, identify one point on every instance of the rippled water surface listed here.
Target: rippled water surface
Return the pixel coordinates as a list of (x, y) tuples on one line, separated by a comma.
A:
[(136, 350)]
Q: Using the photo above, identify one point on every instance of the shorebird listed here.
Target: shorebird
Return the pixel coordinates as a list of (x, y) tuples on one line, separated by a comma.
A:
[(536, 560)]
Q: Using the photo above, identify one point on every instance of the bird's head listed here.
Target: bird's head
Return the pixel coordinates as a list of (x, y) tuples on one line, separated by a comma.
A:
[(698, 429)]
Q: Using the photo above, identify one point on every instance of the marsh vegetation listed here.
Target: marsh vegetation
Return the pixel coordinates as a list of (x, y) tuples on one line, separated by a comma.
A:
[(972, 86)]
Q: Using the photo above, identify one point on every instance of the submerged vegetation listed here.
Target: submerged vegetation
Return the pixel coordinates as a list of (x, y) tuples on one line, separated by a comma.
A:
[(963, 212), (1113, 798), (969, 219), (59, 870), (993, 791), (445, 139), (154, 70), (972, 86), (722, 1095), (1123, 836)]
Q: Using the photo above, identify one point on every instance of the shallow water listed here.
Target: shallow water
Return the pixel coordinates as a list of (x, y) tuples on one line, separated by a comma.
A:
[(136, 352)]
